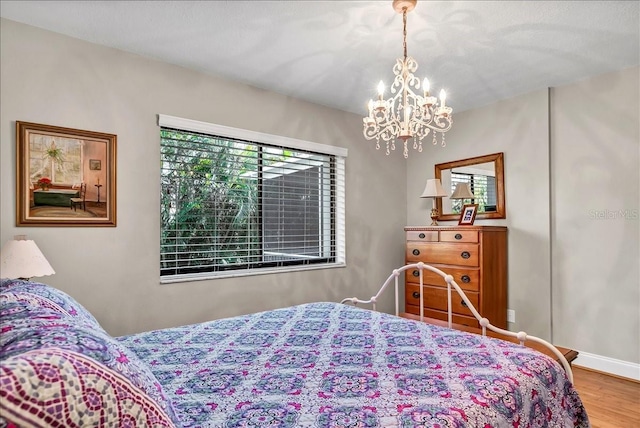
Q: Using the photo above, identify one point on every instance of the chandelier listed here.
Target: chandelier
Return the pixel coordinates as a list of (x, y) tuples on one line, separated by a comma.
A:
[(406, 114)]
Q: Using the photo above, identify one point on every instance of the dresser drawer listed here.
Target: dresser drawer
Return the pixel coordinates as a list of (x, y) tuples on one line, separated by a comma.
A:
[(436, 298), (467, 279), (459, 236), (442, 253), (422, 235), (440, 315)]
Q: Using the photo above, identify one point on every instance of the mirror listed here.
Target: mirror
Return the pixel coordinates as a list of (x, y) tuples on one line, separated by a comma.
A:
[(485, 176)]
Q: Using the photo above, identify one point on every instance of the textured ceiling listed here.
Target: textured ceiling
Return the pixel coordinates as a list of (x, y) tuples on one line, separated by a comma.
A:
[(335, 52)]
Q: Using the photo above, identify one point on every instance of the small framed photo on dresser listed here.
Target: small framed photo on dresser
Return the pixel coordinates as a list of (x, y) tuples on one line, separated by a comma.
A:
[(468, 215)]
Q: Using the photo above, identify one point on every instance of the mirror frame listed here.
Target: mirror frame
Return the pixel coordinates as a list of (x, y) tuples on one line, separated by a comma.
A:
[(498, 158)]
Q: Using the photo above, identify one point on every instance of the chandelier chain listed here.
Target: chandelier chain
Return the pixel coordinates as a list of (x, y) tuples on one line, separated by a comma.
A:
[(404, 33)]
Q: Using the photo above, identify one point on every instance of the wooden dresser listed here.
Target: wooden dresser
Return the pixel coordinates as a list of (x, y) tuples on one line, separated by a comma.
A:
[(476, 256)]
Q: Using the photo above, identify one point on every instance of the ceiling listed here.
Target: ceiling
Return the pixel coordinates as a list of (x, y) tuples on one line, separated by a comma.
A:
[(335, 52)]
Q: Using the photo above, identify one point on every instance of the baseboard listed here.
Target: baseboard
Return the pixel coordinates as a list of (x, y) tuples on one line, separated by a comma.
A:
[(608, 365)]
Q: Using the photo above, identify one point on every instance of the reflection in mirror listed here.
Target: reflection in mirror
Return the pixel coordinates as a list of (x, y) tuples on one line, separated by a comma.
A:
[(480, 180), (483, 176)]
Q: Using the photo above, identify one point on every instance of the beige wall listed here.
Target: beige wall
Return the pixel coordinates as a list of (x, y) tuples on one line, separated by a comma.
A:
[(595, 134), (53, 79), (574, 278), (519, 128)]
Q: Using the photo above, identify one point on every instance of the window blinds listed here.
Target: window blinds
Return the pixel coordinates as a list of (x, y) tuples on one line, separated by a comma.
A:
[(229, 204), (482, 186)]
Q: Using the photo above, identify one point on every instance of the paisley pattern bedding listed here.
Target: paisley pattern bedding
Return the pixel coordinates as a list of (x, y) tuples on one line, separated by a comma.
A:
[(333, 365), (58, 388)]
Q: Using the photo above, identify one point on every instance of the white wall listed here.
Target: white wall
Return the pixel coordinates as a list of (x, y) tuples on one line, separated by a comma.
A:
[(574, 278), (56, 80)]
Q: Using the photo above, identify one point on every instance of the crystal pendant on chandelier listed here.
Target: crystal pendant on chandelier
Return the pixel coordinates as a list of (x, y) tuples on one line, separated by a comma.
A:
[(406, 114)]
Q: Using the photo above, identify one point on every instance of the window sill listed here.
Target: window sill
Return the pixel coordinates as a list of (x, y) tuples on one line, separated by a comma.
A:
[(170, 279)]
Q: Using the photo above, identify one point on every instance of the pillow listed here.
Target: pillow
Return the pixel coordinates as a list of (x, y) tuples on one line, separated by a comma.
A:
[(17, 316), (27, 328), (38, 331), (53, 387), (42, 295)]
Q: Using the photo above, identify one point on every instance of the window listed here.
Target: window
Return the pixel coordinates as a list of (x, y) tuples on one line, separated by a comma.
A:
[(59, 159), (237, 202)]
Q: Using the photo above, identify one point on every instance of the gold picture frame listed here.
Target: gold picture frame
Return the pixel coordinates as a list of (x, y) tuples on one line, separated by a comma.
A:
[(56, 184)]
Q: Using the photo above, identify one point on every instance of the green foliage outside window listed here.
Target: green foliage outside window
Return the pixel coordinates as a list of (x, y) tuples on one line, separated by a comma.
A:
[(207, 193), (210, 208)]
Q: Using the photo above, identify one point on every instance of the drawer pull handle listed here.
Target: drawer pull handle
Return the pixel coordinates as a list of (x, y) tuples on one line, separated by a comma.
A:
[(421, 236), (466, 279), (463, 303), (416, 273), (416, 295), (416, 252), (465, 255), (458, 236)]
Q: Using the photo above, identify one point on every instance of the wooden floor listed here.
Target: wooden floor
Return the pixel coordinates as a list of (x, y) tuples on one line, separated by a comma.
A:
[(610, 402)]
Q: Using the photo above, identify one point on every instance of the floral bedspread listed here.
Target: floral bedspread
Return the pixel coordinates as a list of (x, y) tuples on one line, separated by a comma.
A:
[(333, 365)]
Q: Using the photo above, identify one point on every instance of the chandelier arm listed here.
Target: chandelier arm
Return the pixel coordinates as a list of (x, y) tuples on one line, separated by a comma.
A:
[(383, 126)]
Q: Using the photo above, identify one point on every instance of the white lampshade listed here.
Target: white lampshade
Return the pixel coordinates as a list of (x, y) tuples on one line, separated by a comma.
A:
[(433, 189), (21, 258), (463, 191)]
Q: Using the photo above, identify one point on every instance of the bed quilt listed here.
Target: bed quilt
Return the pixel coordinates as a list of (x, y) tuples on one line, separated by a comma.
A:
[(333, 365)]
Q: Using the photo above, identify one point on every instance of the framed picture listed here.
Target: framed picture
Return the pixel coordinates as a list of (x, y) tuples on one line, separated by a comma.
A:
[(95, 164), (468, 215), (60, 179)]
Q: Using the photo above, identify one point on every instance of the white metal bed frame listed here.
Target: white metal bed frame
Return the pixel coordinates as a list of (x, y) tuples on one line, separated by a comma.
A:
[(484, 322)]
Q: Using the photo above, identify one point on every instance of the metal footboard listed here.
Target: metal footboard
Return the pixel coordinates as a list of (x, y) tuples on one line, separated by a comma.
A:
[(484, 322)]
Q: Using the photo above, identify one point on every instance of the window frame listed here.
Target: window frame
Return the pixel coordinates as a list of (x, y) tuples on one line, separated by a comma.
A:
[(340, 154)]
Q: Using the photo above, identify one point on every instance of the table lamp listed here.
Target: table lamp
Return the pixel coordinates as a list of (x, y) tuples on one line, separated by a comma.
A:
[(21, 258), (433, 190), (462, 191)]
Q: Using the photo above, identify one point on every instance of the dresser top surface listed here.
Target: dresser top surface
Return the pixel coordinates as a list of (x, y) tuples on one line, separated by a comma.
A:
[(445, 228)]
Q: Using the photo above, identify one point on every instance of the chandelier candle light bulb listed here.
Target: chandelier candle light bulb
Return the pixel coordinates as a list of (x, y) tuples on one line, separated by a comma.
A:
[(406, 114)]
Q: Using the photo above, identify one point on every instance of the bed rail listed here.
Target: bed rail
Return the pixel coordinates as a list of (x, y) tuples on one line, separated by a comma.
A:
[(484, 322)]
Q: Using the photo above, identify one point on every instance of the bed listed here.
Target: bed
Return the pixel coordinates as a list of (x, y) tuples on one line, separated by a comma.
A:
[(320, 364)]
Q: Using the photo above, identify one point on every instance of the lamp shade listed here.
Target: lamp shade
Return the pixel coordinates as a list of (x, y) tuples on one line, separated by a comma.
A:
[(463, 191), (433, 189), (21, 258)]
